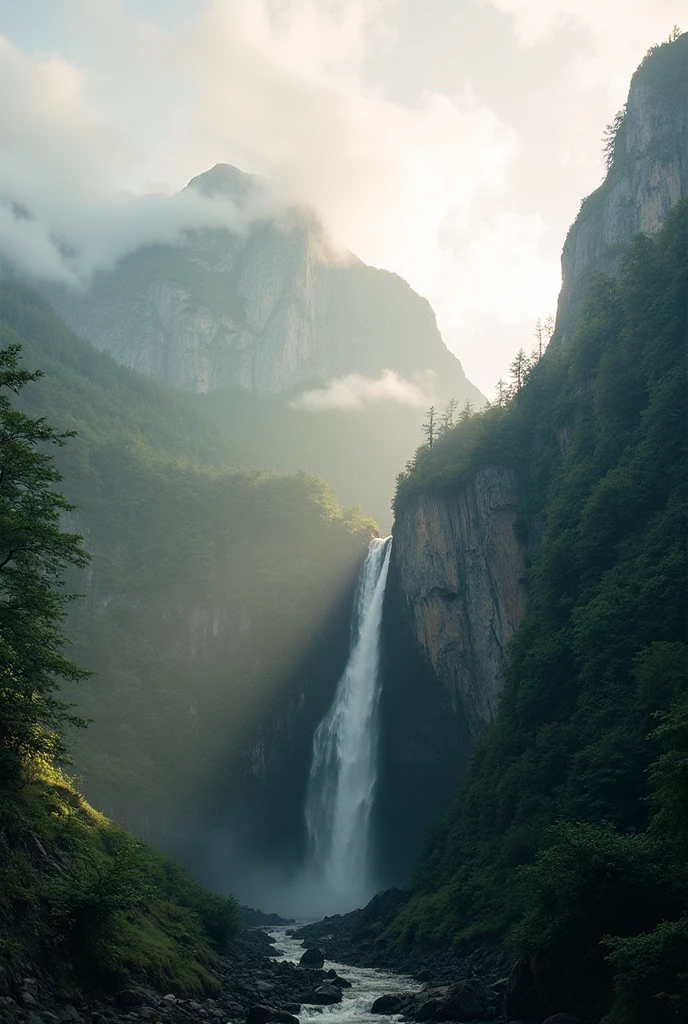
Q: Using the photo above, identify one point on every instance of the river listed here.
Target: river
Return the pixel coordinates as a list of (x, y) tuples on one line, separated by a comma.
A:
[(367, 984)]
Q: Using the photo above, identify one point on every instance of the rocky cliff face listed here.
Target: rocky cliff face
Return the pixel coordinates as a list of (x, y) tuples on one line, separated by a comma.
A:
[(648, 177), (454, 599), (265, 312), (460, 567), (456, 594)]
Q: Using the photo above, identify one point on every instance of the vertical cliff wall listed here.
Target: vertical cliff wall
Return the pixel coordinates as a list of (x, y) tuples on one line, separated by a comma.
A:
[(457, 592), (455, 598), (647, 178), (460, 567)]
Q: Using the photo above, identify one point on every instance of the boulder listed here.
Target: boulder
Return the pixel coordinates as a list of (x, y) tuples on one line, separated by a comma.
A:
[(562, 1018), (463, 1001), (468, 1000), (520, 997), (260, 1014), (387, 1004), (327, 994), (340, 982), (313, 957)]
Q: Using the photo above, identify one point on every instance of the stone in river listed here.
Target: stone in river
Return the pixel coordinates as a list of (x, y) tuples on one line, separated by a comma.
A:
[(313, 957)]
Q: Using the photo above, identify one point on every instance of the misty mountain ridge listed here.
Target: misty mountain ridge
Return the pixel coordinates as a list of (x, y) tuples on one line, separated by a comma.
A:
[(265, 311)]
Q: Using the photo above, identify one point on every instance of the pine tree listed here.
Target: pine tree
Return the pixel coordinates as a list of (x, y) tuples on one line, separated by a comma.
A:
[(447, 421), (467, 411), (518, 369), (34, 552), (430, 428)]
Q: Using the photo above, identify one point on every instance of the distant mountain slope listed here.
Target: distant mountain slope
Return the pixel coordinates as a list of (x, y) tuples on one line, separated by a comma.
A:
[(265, 312), (216, 608)]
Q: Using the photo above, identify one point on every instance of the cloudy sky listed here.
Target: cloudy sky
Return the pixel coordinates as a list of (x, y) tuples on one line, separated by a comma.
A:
[(450, 141)]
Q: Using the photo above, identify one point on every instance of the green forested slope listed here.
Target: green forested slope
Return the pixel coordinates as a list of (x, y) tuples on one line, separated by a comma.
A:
[(207, 587), (582, 778), (83, 905)]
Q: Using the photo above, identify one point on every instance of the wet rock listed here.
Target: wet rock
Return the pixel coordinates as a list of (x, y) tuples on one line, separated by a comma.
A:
[(563, 1018), (260, 1014), (464, 1001), (339, 982), (313, 957), (388, 1004), (327, 994), (336, 979), (33, 1018), (28, 999)]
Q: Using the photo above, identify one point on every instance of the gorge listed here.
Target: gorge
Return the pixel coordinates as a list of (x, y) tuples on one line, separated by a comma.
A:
[(486, 708)]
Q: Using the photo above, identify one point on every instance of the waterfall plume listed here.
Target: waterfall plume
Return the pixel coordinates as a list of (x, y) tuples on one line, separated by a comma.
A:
[(344, 766)]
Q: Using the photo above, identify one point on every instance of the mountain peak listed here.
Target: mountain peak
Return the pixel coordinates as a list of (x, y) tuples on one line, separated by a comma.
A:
[(224, 180)]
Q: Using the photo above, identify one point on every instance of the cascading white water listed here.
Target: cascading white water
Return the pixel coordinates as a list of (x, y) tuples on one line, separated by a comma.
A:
[(344, 766)]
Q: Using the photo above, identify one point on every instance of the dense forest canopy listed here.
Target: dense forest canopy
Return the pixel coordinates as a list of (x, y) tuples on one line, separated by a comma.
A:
[(582, 774)]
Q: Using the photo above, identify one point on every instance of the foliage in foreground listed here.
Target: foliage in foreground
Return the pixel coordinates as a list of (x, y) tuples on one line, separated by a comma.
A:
[(34, 553), (571, 826), (113, 907)]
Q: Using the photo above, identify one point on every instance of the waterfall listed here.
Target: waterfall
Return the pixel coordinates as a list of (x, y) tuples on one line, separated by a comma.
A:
[(344, 766)]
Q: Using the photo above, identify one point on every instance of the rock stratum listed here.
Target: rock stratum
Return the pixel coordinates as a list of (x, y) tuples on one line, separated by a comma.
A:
[(265, 310)]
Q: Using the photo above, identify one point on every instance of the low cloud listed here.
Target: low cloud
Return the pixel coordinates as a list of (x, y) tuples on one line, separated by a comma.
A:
[(278, 90), (355, 392)]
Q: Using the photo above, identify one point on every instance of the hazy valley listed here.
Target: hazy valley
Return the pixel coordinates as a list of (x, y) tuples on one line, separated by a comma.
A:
[(362, 642)]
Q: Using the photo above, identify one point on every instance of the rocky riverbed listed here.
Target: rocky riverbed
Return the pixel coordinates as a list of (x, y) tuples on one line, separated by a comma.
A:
[(250, 977), (334, 971)]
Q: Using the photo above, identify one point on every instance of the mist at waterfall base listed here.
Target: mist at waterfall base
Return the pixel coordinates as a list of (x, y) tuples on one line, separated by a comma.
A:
[(338, 875)]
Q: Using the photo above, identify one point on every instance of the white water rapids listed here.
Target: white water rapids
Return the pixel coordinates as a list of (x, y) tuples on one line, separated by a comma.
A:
[(344, 766), (367, 985)]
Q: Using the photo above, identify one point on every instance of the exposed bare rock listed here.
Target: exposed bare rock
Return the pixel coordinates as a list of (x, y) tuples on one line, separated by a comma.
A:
[(648, 177), (460, 570), (265, 311)]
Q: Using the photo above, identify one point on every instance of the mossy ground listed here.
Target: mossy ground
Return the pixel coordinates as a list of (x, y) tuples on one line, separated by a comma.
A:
[(85, 902)]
